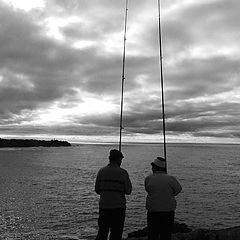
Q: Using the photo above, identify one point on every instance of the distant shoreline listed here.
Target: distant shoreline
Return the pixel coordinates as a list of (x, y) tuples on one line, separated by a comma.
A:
[(11, 143), (151, 143)]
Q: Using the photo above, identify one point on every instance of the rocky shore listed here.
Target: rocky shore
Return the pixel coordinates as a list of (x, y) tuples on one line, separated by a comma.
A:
[(183, 232)]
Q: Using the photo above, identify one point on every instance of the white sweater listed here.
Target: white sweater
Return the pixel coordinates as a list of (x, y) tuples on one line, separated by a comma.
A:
[(161, 189)]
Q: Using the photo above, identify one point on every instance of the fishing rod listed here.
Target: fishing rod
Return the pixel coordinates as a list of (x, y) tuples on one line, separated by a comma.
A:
[(162, 83), (123, 76)]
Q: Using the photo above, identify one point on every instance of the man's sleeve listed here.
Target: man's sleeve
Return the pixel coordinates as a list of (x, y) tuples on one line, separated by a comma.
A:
[(97, 184), (128, 184), (145, 183), (176, 186)]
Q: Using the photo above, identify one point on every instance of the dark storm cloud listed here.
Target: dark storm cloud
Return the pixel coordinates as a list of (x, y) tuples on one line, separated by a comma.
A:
[(31, 64), (188, 118), (37, 70), (200, 77), (69, 130), (202, 22)]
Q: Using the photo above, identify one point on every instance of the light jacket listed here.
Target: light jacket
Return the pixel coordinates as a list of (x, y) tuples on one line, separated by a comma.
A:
[(112, 183), (162, 189)]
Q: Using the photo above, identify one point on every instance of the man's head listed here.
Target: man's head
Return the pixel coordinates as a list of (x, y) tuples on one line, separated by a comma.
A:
[(159, 164), (115, 156)]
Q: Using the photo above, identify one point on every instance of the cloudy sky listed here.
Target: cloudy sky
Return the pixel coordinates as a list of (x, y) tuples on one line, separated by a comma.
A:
[(61, 60)]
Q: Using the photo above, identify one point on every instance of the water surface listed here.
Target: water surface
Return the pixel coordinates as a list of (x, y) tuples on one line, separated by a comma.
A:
[(48, 193)]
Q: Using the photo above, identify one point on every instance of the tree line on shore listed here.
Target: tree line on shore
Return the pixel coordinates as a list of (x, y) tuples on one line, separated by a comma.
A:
[(32, 143)]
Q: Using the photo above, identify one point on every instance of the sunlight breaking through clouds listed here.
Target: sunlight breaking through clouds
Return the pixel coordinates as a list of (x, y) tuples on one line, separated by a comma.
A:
[(26, 5), (55, 115), (61, 64)]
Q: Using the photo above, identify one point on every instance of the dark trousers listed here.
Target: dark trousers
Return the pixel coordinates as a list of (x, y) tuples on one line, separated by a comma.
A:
[(111, 220), (160, 225)]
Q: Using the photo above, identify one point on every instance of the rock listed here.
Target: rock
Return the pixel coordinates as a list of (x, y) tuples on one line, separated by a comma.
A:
[(181, 228), (138, 233), (229, 233), (178, 228), (199, 234)]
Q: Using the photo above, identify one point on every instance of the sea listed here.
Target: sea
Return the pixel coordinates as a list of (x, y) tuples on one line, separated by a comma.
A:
[(48, 193)]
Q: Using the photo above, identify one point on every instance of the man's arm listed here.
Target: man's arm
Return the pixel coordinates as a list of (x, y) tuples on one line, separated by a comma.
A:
[(176, 186), (97, 184), (145, 183), (128, 184)]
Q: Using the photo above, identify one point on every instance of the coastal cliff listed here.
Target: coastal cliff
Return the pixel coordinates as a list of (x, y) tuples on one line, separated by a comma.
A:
[(6, 143), (182, 232)]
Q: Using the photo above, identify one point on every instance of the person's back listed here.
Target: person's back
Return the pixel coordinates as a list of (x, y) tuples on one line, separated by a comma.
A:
[(160, 203), (161, 189), (112, 183)]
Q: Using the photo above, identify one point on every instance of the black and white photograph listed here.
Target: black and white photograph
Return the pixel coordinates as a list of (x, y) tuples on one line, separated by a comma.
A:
[(119, 120)]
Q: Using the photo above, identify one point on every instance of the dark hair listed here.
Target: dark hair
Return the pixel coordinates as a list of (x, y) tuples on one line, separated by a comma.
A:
[(114, 158), (115, 155)]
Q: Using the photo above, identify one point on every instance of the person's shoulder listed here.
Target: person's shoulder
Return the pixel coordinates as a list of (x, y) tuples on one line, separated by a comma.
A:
[(148, 177), (102, 169), (124, 171), (172, 178)]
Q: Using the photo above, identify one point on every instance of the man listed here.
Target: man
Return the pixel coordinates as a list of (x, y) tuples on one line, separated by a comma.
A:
[(112, 183), (160, 203)]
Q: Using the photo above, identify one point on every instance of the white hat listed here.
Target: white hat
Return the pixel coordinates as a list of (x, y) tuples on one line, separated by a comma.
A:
[(159, 162)]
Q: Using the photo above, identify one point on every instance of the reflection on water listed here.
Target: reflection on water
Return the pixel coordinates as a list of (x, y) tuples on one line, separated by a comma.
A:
[(47, 193)]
